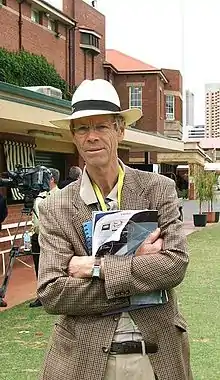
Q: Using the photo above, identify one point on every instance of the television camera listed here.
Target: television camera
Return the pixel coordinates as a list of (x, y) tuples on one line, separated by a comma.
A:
[(30, 182)]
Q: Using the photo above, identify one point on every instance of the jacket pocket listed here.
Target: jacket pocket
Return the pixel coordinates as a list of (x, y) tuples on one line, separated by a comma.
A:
[(63, 340)]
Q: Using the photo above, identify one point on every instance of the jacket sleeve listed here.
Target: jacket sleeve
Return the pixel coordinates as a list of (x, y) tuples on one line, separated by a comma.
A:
[(60, 293), (165, 270)]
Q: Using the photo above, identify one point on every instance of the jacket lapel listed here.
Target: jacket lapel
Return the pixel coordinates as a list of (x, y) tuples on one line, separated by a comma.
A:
[(81, 213), (133, 193)]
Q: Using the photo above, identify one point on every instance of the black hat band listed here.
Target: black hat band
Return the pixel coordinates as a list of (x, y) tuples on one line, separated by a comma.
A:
[(89, 105)]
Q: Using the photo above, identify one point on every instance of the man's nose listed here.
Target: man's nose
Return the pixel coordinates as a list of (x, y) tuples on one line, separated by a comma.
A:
[(92, 135)]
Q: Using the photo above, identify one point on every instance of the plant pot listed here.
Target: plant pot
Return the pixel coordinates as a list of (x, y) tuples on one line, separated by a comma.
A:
[(199, 220), (217, 216), (210, 216)]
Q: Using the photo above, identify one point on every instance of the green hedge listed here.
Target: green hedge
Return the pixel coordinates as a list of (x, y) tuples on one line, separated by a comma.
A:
[(25, 69)]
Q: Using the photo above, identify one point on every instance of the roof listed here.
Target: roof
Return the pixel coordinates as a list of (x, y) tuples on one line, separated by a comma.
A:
[(210, 143), (123, 62)]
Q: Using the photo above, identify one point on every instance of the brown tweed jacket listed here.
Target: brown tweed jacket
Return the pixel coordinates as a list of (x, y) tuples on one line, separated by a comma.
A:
[(81, 339)]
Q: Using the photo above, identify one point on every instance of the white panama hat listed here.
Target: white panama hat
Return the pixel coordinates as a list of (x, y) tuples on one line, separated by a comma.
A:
[(97, 97)]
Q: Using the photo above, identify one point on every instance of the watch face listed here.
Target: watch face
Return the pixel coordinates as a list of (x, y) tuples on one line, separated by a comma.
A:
[(96, 271)]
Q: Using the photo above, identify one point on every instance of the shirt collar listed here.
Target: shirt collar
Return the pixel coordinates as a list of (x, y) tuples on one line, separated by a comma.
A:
[(87, 192)]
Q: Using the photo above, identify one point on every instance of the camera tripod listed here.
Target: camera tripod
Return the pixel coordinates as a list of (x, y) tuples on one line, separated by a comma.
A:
[(15, 252)]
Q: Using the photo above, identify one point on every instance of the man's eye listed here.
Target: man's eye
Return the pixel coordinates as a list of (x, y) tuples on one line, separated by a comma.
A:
[(101, 127), (82, 129)]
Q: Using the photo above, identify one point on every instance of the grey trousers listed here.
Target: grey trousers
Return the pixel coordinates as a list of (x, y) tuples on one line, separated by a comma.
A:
[(129, 367)]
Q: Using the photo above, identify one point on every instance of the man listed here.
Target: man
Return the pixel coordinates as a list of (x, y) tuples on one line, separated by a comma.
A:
[(149, 343), (74, 173), (55, 176)]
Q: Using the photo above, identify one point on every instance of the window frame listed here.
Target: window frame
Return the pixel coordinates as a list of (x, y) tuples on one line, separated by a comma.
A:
[(49, 25), (170, 115), (137, 100), (35, 12), (92, 42)]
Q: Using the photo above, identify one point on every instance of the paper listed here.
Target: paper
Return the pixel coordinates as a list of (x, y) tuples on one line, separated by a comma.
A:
[(120, 233)]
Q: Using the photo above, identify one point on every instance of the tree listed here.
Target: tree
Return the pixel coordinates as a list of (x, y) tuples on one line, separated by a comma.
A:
[(26, 69)]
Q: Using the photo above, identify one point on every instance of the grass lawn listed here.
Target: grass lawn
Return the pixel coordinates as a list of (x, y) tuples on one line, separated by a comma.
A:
[(199, 297), (24, 336), (25, 332)]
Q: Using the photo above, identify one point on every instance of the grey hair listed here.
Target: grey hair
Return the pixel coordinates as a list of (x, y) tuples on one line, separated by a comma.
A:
[(120, 122), (75, 172), (55, 174)]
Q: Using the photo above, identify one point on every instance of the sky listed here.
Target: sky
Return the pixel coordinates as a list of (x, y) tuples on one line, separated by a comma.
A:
[(178, 34)]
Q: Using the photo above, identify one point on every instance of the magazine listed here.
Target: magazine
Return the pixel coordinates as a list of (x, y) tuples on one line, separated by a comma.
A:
[(120, 233)]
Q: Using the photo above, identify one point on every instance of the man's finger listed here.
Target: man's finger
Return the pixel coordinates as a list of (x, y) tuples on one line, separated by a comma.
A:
[(153, 236), (148, 249)]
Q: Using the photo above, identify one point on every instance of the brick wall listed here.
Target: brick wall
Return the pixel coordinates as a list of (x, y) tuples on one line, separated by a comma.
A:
[(178, 108), (175, 85), (38, 39), (35, 38), (151, 120), (9, 26), (175, 80), (88, 17)]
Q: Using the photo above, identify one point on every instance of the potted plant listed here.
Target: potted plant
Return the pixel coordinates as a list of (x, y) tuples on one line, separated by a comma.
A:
[(200, 219), (210, 183)]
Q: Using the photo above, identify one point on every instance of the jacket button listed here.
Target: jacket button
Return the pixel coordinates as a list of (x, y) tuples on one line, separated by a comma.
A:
[(105, 350)]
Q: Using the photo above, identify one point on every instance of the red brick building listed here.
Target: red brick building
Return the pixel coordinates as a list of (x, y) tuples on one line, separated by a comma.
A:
[(73, 39), (158, 92)]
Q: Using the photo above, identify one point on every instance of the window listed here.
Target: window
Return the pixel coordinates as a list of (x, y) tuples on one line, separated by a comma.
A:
[(52, 25), (85, 38), (135, 97), (89, 39), (170, 106), (36, 16)]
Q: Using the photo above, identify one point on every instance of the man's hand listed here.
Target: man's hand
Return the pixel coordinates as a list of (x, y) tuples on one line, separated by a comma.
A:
[(81, 266), (152, 244)]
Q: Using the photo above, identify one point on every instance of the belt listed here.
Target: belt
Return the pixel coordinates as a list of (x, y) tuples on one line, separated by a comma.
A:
[(132, 347)]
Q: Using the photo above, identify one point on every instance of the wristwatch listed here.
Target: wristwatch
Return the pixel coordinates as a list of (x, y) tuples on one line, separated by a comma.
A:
[(96, 270)]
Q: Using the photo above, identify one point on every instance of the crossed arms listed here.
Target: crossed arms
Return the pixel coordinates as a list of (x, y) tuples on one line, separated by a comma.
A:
[(65, 284)]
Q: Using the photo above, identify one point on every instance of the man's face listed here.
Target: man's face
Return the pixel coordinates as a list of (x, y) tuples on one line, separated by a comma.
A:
[(97, 139)]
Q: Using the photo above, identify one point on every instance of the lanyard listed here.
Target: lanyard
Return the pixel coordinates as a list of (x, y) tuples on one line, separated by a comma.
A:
[(99, 195)]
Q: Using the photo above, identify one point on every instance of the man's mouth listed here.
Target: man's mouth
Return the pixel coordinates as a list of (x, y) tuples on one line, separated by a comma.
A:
[(94, 150)]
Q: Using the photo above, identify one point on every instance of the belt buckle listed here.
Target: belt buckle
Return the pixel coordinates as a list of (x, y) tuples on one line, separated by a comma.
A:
[(143, 347)]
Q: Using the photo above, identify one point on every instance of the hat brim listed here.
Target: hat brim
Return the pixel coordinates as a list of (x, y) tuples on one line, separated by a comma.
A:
[(130, 116)]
